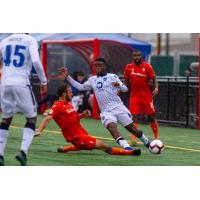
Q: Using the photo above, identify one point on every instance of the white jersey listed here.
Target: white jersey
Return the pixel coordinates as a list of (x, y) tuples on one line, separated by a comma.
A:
[(18, 53), (105, 93)]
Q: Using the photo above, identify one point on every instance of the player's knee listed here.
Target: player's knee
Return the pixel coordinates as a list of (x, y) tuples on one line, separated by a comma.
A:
[(4, 126), (30, 125), (111, 127)]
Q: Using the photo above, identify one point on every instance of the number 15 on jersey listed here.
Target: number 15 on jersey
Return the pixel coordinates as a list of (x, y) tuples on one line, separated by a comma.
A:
[(17, 59)]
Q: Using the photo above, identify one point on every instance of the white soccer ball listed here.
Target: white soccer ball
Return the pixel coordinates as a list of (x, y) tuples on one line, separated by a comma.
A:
[(156, 146)]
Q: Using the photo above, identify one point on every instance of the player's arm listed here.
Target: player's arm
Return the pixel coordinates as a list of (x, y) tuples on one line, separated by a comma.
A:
[(43, 125), (81, 87), (35, 58), (155, 83), (85, 114), (118, 84)]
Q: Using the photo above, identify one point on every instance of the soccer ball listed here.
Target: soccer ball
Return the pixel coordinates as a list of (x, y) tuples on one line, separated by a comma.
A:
[(156, 146)]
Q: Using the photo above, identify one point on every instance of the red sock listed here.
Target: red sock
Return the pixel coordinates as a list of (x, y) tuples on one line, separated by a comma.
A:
[(70, 148), (154, 127), (118, 151)]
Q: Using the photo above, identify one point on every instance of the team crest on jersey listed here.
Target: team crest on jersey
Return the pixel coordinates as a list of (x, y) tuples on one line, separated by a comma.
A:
[(105, 79), (143, 69), (99, 85)]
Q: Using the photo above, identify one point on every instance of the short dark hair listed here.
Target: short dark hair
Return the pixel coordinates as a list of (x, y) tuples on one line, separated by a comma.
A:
[(62, 89), (100, 60), (136, 51)]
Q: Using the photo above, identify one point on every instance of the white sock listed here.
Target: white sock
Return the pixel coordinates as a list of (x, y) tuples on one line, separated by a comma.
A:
[(3, 140), (144, 139), (122, 142), (28, 135)]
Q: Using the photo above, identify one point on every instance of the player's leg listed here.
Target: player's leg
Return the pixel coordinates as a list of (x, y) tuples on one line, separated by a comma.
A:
[(134, 107), (27, 105), (110, 122), (138, 133), (154, 125), (7, 105), (4, 132), (150, 111), (125, 119), (133, 141), (115, 151), (65, 149)]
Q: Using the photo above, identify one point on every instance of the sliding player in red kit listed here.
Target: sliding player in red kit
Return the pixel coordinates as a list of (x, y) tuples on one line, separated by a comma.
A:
[(138, 74), (69, 121)]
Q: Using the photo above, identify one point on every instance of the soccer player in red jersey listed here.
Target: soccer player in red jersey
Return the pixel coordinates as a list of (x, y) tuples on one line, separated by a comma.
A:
[(138, 74), (68, 120)]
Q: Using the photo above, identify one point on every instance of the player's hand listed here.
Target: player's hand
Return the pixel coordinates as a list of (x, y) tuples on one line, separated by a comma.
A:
[(43, 88), (155, 92), (63, 73), (115, 84), (119, 93), (86, 113)]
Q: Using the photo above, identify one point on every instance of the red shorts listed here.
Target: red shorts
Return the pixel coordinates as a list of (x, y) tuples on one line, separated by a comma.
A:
[(86, 142), (141, 107)]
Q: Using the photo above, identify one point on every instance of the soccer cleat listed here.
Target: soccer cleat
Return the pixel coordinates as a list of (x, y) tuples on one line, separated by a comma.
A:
[(136, 152), (2, 161), (128, 148), (148, 144), (21, 157), (60, 149)]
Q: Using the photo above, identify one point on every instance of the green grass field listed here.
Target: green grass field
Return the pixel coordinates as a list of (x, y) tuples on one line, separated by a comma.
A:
[(182, 147)]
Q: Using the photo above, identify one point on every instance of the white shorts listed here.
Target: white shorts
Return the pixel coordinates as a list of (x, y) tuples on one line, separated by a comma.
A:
[(119, 114), (18, 99)]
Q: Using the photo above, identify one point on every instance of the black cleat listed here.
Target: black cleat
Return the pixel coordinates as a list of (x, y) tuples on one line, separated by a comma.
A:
[(21, 157), (2, 161), (60, 149), (136, 152), (148, 144)]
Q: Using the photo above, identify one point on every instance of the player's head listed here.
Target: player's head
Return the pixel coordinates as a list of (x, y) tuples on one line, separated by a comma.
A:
[(137, 57), (65, 92), (100, 64)]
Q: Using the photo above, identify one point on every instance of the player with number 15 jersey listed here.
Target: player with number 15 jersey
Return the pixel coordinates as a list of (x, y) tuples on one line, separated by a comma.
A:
[(18, 53)]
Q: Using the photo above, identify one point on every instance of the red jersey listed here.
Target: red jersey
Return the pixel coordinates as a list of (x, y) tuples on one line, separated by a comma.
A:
[(139, 77), (68, 120)]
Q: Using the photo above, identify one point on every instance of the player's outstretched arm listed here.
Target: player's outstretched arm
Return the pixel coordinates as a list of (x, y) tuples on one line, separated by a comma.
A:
[(43, 125), (85, 114)]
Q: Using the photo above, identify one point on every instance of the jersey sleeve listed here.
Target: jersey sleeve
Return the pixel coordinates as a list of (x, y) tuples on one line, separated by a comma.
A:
[(122, 87), (35, 58), (151, 72), (126, 73), (116, 79), (81, 87), (54, 111)]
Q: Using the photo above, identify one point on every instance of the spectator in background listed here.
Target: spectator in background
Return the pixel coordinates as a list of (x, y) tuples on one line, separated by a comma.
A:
[(81, 100)]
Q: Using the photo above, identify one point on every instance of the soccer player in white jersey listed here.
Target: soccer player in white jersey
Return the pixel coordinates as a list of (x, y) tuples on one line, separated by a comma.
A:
[(18, 52), (106, 87)]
